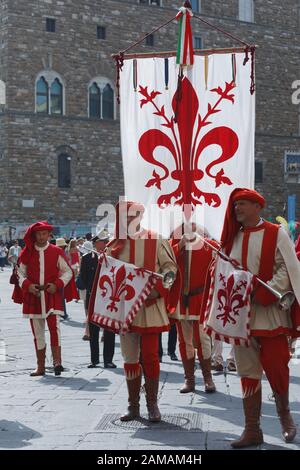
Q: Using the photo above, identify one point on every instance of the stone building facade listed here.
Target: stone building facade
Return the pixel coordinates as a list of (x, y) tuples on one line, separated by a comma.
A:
[(71, 41)]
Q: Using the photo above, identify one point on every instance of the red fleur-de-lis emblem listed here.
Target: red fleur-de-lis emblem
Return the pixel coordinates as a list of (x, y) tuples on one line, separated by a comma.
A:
[(186, 145), (117, 285), (141, 272), (230, 300)]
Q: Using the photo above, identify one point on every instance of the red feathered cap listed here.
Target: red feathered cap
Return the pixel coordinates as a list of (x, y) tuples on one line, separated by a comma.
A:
[(29, 238), (231, 226)]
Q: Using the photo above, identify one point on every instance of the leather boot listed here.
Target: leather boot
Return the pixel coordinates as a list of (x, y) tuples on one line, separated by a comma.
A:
[(56, 354), (151, 388), (189, 375), (209, 386), (41, 356), (252, 434), (134, 388), (288, 426)]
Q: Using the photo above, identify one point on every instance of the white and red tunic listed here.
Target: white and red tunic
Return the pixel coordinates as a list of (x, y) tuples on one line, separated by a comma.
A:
[(267, 251), (157, 256), (193, 266), (46, 265)]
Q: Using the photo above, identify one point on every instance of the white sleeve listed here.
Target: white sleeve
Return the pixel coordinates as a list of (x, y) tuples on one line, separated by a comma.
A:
[(22, 273), (65, 272), (288, 252)]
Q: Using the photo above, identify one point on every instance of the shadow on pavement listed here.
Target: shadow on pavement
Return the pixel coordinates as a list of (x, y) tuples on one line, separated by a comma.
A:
[(77, 383), (14, 435), (73, 323)]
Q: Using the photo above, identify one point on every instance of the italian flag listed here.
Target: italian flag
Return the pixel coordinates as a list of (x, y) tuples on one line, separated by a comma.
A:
[(185, 51)]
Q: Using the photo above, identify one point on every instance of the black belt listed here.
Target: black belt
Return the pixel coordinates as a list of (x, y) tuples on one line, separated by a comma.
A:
[(192, 293)]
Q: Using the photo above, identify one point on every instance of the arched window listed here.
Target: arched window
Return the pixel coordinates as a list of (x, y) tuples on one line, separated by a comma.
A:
[(101, 99), (108, 102), (42, 96), (64, 170), (56, 97), (49, 91), (95, 102)]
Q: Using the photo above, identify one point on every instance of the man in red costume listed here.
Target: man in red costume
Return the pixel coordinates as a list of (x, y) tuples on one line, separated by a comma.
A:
[(135, 246), (44, 278), (265, 250), (193, 259)]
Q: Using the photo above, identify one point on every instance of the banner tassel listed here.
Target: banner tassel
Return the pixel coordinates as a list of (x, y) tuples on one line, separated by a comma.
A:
[(205, 70), (134, 74), (167, 73), (233, 64)]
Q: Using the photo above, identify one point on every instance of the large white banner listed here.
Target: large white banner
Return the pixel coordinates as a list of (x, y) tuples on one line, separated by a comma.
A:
[(189, 151)]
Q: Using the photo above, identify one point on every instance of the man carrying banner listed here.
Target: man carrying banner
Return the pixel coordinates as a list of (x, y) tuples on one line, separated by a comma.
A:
[(193, 258), (45, 276), (265, 250), (135, 246)]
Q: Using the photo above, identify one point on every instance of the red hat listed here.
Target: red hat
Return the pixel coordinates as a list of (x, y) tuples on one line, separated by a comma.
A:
[(231, 226), (249, 195), (29, 238)]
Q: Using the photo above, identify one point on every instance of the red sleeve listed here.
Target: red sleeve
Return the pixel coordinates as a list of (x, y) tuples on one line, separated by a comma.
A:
[(26, 285), (70, 290), (59, 284)]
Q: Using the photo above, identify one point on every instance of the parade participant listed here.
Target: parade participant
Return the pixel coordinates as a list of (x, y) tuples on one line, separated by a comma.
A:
[(88, 270), (61, 242), (155, 255), (73, 256), (193, 259), (43, 271), (265, 250)]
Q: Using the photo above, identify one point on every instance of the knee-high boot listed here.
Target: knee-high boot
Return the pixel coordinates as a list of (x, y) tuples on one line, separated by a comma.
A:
[(252, 434), (133, 387), (288, 426), (56, 354), (209, 385), (151, 388), (40, 356), (189, 375)]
